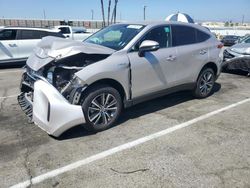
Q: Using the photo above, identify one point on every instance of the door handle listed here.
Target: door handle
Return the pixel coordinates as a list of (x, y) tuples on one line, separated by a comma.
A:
[(171, 58), (202, 52), (12, 45)]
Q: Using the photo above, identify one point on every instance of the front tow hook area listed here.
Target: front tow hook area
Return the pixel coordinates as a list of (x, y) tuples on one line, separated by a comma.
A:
[(26, 106)]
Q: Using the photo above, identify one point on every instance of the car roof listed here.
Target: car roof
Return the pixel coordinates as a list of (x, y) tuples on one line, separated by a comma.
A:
[(31, 28), (157, 23)]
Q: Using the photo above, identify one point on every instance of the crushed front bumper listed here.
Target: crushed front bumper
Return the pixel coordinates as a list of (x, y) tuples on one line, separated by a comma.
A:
[(52, 112)]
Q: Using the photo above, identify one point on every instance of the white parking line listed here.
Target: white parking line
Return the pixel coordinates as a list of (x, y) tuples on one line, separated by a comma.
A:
[(11, 96), (6, 72), (77, 164)]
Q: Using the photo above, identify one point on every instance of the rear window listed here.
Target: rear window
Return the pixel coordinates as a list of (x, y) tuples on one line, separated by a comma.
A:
[(183, 35), (64, 30), (54, 34), (33, 34), (201, 36), (8, 34), (30, 34)]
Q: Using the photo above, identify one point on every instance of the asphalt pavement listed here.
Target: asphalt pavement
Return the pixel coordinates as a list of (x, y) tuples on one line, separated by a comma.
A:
[(210, 152)]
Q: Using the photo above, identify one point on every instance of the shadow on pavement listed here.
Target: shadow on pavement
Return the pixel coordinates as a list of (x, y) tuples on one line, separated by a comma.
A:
[(12, 65), (140, 110)]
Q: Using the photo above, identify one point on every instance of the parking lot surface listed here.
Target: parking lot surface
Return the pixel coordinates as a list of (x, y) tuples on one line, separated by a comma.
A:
[(213, 152)]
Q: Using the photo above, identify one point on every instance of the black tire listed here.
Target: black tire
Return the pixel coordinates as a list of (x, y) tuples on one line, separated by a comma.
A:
[(205, 83), (106, 117)]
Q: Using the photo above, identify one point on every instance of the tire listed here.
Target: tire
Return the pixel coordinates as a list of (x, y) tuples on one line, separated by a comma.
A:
[(102, 107), (205, 83)]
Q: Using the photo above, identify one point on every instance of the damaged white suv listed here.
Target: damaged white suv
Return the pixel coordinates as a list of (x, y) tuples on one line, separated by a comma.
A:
[(68, 83)]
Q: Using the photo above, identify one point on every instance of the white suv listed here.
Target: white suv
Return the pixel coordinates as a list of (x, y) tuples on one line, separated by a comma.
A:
[(68, 83), (17, 43)]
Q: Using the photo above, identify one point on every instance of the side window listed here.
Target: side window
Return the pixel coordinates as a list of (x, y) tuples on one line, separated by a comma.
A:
[(201, 36), (8, 34), (65, 30), (183, 35), (161, 35), (29, 34)]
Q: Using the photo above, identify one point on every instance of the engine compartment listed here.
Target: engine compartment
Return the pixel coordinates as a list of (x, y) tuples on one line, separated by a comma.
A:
[(61, 73)]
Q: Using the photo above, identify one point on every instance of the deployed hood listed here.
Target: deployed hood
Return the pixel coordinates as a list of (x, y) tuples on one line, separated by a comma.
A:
[(54, 49), (241, 48)]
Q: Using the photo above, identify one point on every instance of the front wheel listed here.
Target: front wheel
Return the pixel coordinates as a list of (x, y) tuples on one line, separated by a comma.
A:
[(205, 83), (102, 107)]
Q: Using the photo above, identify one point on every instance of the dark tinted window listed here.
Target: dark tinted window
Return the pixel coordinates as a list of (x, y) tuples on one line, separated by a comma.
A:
[(55, 34), (30, 34), (8, 34), (201, 36), (161, 35), (64, 30), (183, 35)]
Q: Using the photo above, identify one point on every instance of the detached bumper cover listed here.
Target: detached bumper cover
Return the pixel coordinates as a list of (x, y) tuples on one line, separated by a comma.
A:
[(52, 112)]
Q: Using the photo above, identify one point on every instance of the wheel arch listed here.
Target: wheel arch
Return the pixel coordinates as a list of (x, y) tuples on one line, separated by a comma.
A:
[(113, 83), (211, 65)]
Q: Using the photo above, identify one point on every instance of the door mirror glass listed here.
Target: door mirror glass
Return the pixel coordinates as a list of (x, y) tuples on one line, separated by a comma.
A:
[(147, 46)]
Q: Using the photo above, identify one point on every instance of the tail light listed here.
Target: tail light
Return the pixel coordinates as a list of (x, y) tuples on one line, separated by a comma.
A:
[(220, 45)]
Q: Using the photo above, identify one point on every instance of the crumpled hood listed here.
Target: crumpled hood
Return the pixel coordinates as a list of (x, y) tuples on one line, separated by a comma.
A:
[(241, 48), (54, 48)]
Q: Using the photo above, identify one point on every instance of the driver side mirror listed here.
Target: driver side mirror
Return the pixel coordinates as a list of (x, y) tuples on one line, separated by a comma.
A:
[(147, 46)]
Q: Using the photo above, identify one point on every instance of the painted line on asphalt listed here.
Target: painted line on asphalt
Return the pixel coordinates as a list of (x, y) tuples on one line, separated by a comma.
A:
[(11, 96), (6, 72), (80, 163)]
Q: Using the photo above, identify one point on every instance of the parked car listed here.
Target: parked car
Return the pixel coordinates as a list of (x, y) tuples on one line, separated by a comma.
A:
[(17, 43), (244, 39), (74, 33), (69, 83), (235, 57), (229, 40)]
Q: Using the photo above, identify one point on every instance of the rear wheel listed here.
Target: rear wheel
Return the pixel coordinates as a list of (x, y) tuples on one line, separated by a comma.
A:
[(205, 83), (102, 106)]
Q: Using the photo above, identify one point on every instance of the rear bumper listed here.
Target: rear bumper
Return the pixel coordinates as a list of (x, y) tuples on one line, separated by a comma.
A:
[(52, 112)]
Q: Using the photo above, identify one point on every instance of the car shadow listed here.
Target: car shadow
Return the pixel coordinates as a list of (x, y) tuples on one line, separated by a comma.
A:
[(236, 72), (140, 110), (12, 65)]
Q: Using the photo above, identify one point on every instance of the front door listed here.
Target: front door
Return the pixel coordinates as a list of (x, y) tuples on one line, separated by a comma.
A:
[(149, 73), (8, 46)]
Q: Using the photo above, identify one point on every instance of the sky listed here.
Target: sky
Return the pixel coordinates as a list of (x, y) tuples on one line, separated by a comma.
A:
[(130, 10)]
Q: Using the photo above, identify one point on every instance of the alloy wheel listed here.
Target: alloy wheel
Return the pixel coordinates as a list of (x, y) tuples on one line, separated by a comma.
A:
[(206, 83), (102, 109)]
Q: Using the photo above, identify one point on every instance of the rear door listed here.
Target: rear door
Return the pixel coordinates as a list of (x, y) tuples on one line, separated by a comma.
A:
[(27, 41), (192, 53), (8, 46)]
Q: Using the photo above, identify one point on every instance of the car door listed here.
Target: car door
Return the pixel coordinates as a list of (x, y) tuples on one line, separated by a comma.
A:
[(192, 54), (149, 73), (27, 41), (8, 47)]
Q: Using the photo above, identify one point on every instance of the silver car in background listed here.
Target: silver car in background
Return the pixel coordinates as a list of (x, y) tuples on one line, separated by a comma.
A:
[(68, 83)]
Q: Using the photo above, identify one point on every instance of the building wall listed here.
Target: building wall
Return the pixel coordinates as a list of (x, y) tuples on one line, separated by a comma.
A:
[(96, 24)]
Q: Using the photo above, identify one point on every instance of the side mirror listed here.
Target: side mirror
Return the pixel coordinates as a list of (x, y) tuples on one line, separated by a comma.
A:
[(147, 46)]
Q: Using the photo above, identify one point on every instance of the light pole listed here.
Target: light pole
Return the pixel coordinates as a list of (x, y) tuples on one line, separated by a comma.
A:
[(144, 12), (92, 14)]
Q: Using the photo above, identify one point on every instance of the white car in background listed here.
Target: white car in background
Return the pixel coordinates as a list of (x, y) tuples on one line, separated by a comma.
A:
[(17, 43), (74, 33)]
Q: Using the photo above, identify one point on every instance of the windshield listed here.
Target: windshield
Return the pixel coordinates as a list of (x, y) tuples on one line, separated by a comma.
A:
[(115, 36)]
